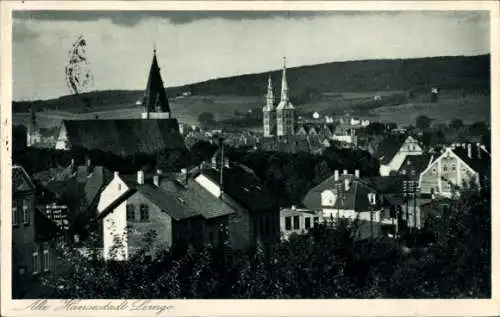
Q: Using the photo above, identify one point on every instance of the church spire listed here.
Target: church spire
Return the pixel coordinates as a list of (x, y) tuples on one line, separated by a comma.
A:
[(284, 84), (270, 94), (155, 98)]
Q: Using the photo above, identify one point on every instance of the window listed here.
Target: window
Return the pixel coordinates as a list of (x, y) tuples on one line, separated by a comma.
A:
[(35, 261), (15, 216), (445, 168), (308, 223), (296, 222), (433, 171), (288, 223), (453, 167), (144, 212), (46, 258), (130, 212), (26, 213), (211, 234)]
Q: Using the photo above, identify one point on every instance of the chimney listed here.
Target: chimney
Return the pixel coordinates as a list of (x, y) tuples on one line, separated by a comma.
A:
[(345, 172), (140, 177), (116, 174), (478, 148), (88, 162), (356, 173), (336, 175), (72, 162), (184, 175), (226, 162), (156, 180), (469, 150), (347, 184), (214, 162)]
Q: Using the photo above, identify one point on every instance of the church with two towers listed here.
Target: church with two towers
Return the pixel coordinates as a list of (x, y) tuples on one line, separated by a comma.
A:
[(278, 121)]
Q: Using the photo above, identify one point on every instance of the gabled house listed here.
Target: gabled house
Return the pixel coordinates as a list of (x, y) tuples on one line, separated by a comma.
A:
[(187, 210), (257, 213), (131, 207), (455, 167), (347, 196), (393, 150), (34, 236), (413, 165)]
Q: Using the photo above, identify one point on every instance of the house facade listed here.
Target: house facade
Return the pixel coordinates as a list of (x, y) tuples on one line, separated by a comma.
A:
[(346, 196), (257, 214), (298, 220), (34, 236), (393, 151), (455, 167)]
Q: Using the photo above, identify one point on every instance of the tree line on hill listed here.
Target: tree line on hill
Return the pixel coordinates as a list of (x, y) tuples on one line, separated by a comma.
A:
[(325, 263), (461, 73)]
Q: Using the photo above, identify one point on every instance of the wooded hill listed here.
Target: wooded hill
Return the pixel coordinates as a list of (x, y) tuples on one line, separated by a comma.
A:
[(470, 74)]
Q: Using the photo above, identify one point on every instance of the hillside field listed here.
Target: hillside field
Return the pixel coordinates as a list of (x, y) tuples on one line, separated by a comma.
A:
[(403, 86), (469, 108)]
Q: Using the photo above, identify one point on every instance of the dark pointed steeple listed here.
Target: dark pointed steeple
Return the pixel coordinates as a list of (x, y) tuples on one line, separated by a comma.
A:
[(155, 97)]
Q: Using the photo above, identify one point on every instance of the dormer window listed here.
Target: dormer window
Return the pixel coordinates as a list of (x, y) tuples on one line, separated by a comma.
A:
[(328, 198), (372, 198)]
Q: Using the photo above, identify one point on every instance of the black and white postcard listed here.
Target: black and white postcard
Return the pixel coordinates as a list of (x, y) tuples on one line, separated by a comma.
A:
[(183, 158)]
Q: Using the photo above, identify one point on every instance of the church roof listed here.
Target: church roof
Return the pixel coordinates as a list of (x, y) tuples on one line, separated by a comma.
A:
[(155, 96), (125, 136)]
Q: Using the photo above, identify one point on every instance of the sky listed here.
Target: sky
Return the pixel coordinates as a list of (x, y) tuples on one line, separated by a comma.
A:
[(194, 46)]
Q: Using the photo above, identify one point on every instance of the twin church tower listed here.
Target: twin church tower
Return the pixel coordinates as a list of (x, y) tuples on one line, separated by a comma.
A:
[(279, 121)]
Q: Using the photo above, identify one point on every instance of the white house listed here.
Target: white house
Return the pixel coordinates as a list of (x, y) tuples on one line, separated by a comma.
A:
[(347, 196), (297, 220), (454, 167), (393, 151)]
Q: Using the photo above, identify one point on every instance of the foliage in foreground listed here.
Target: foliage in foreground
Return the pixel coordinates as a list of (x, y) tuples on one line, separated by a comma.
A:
[(324, 263)]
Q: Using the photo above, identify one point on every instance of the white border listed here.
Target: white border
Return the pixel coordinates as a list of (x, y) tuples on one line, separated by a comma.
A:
[(253, 307)]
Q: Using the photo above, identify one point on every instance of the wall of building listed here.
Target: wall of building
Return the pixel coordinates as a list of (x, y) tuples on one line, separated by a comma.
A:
[(62, 139), (351, 214), (302, 216), (159, 221), (409, 147), (23, 235), (269, 122), (114, 224), (447, 166)]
